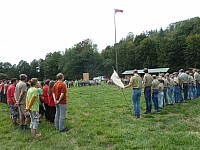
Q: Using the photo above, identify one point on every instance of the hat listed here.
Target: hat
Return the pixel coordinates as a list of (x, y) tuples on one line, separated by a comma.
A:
[(135, 71)]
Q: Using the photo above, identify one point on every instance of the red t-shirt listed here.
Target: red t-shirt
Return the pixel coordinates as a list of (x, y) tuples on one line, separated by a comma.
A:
[(10, 94), (58, 88), (45, 94), (51, 100)]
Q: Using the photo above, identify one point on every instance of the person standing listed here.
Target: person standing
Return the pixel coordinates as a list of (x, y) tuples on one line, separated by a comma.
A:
[(154, 90), (190, 85), (20, 96), (185, 79), (46, 99), (32, 105), (197, 82), (160, 93), (52, 108), (14, 113), (176, 87), (147, 80), (170, 88), (180, 81), (59, 95), (165, 99), (136, 84)]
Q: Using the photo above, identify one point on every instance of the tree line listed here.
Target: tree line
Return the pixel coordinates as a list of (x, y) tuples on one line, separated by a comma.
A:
[(178, 46)]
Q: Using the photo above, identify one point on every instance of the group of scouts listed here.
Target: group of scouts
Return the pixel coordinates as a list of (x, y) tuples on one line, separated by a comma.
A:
[(164, 89), (25, 98)]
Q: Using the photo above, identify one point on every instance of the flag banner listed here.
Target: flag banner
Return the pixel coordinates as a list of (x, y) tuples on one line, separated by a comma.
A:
[(118, 10), (117, 80)]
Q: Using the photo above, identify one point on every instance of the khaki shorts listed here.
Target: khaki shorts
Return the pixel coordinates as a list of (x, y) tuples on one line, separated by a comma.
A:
[(22, 110)]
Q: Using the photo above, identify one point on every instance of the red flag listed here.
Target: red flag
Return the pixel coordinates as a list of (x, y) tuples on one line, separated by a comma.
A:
[(118, 10)]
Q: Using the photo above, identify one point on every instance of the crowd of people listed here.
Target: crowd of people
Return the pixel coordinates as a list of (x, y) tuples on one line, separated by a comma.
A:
[(28, 101), (164, 89)]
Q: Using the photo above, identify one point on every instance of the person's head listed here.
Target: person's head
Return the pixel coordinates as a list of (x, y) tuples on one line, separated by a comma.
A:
[(181, 70), (23, 77), (145, 70), (47, 82), (194, 70), (135, 71), (154, 76), (34, 82), (13, 81), (60, 77), (39, 85), (167, 75), (51, 84), (187, 72), (162, 75)]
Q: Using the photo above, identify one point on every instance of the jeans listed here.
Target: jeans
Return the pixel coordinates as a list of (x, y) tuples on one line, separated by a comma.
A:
[(160, 99), (170, 93), (180, 95), (155, 99), (165, 96), (185, 91), (147, 95), (197, 89), (136, 94), (60, 116), (191, 91), (176, 93)]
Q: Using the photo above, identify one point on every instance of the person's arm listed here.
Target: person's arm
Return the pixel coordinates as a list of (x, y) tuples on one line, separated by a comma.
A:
[(21, 96), (31, 103), (144, 81), (127, 85), (60, 98)]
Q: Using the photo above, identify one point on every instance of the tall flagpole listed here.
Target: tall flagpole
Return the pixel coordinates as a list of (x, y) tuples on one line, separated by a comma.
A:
[(116, 59)]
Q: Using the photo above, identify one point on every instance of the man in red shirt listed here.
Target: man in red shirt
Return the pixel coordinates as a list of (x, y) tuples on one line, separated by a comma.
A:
[(59, 95), (14, 113), (46, 99)]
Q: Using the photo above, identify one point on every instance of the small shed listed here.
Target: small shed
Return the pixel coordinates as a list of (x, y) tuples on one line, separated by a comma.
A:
[(127, 74)]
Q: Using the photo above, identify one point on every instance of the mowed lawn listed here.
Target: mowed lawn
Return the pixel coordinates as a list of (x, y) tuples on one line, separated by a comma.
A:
[(98, 118)]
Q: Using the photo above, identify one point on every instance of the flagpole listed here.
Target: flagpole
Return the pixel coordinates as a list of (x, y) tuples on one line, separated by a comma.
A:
[(116, 59)]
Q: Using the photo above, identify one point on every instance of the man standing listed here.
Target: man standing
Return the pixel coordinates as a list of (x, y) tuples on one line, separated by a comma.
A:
[(197, 81), (147, 90), (184, 79), (59, 95), (170, 88), (12, 102), (166, 83), (154, 90), (180, 81), (20, 96), (190, 85), (176, 87), (136, 83)]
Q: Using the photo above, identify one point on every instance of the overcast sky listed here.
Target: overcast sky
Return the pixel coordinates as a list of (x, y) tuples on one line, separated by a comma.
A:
[(29, 29)]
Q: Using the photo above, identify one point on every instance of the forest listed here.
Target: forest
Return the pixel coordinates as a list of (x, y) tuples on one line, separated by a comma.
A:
[(177, 46)]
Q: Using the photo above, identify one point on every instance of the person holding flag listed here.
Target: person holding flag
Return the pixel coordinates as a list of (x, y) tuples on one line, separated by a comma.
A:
[(136, 84)]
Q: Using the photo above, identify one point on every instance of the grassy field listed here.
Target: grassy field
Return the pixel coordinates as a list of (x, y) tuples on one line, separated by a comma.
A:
[(98, 118)]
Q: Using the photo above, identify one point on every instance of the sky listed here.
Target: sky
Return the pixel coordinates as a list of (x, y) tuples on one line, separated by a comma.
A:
[(29, 29)]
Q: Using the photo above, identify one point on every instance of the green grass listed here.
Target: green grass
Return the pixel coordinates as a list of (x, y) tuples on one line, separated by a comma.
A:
[(98, 118)]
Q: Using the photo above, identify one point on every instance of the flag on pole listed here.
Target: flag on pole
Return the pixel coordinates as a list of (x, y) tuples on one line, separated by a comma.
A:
[(117, 80), (118, 10)]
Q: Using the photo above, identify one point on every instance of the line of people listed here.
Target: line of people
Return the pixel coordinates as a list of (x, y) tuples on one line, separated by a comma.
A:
[(164, 89), (28, 100)]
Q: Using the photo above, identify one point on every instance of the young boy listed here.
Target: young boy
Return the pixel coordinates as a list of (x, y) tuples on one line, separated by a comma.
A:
[(14, 113), (32, 105)]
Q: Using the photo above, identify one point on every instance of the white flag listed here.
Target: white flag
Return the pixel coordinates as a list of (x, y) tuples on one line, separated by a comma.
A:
[(117, 80)]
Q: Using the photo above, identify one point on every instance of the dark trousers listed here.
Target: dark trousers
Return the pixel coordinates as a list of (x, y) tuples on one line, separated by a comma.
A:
[(41, 110), (52, 111), (147, 95), (155, 99), (185, 91), (47, 112), (197, 89)]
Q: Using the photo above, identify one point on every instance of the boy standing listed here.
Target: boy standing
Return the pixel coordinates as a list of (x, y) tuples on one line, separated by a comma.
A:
[(20, 97), (59, 95), (32, 105), (12, 102)]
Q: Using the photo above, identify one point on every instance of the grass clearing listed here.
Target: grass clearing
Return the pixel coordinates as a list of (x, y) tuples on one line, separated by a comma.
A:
[(98, 118)]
